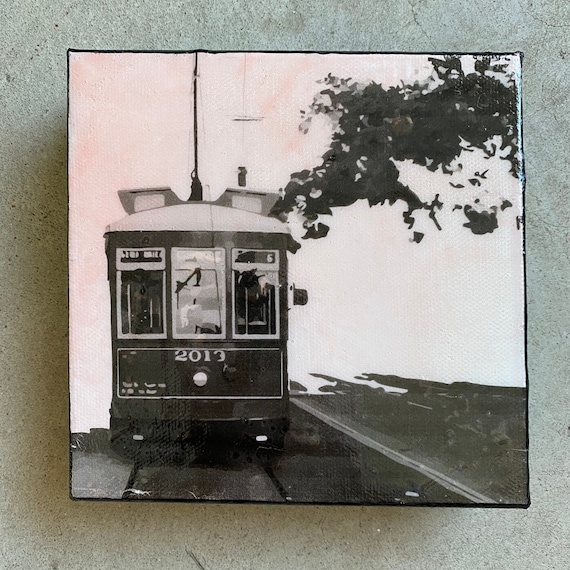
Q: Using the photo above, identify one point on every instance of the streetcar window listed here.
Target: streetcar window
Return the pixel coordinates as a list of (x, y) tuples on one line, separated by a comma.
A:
[(255, 292), (198, 287), (141, 299), (140, 292)]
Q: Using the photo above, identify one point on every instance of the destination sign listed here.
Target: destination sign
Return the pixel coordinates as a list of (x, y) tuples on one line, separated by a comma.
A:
[(141, 255), (148, 258), (255, 256)]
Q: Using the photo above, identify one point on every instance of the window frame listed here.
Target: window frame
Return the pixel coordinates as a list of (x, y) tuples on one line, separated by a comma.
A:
[(222, 290), (121, 267), (274, 267)]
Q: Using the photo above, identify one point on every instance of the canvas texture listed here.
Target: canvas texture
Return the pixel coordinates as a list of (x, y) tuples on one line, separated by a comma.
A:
[(297, 278)]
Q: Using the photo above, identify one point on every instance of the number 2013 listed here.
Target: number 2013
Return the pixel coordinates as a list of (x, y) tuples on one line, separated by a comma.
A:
[(200, 355)]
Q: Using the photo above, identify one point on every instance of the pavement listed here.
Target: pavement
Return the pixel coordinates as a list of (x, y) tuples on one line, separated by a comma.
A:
[(467, 437)]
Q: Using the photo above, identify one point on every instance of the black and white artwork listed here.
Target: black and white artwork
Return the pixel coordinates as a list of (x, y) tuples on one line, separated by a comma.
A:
[(297, 278)]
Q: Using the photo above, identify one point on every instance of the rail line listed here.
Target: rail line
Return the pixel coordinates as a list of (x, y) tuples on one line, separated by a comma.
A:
[(131, 492)]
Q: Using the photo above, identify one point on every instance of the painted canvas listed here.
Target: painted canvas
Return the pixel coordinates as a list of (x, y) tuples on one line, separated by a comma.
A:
[(297, 278)]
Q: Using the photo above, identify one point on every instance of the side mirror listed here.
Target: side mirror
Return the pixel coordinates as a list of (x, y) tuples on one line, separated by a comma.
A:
[(300, 296)]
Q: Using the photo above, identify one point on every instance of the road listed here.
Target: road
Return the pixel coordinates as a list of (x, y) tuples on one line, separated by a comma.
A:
[(320, 464), (467, 437)]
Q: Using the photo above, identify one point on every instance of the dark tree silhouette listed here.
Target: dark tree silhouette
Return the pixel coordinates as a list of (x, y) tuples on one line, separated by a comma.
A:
[(430, 123)]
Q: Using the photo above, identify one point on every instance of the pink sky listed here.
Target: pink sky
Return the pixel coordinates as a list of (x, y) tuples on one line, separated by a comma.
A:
[(436, 311)]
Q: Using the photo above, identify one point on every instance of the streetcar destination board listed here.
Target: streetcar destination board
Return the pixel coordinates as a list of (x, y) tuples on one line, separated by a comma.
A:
[(140, 255), (255, 256)]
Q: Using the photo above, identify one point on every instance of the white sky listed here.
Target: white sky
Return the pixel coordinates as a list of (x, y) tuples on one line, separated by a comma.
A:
[(448, 309)]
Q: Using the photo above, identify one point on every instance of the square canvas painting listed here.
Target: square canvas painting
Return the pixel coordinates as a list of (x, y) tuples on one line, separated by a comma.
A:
[(297, 278)]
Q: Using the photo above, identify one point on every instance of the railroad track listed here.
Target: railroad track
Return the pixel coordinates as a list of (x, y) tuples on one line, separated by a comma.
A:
[(192, 480)]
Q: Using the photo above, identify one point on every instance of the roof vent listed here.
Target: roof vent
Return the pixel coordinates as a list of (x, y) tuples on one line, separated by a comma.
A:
[(251, 200), (248, 203), (147, 199)]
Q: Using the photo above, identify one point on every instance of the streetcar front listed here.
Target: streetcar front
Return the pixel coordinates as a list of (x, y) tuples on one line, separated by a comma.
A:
[(199, 299)]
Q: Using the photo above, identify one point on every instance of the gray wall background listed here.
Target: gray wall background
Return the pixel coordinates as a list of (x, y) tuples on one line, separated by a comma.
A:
[(39, 526)]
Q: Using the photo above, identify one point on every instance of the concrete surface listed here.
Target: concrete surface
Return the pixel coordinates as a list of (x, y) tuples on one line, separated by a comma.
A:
[(39, 526)]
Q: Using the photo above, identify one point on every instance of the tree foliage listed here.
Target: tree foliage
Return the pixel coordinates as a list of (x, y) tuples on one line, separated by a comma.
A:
[(429, 123)]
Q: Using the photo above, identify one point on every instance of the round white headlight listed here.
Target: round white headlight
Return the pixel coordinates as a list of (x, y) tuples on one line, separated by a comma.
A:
[(200, 379)]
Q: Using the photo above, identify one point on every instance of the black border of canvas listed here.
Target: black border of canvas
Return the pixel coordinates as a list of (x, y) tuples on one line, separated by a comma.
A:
[(522, 177)]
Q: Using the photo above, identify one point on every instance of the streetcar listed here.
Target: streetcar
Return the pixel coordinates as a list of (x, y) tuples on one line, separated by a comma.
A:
[(199, 302)]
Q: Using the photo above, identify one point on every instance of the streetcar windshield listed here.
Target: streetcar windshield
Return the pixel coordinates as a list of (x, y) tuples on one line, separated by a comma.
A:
[(198, 287), (255, 291)]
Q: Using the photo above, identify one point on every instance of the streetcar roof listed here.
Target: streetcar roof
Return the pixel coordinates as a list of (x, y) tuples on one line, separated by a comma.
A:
[(198, 217)]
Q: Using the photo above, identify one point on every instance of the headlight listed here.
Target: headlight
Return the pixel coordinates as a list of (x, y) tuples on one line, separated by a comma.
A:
[(200, 379)]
